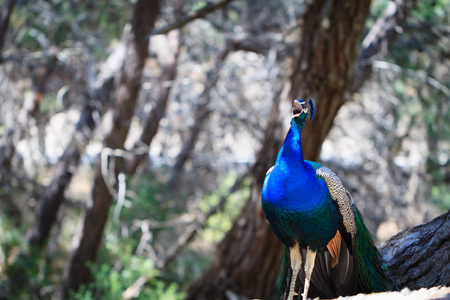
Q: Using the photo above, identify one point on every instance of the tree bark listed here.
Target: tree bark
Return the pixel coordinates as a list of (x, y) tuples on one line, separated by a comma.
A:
[(248, 260), (127, 85), (419, 257), (324, 69)]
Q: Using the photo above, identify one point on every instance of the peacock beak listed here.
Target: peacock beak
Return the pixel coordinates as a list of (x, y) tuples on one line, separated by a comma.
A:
[(299, 108)]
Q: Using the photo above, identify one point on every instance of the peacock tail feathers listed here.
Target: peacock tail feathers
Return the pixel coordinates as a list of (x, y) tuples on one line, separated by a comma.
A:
[(370, 270), (285, 273)]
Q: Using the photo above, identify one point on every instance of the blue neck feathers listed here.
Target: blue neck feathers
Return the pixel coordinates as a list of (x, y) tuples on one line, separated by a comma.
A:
[(292, 175), (291, 151)]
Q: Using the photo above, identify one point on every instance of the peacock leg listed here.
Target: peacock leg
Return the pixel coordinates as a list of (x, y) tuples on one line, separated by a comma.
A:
[(296, 264), (309, 266)]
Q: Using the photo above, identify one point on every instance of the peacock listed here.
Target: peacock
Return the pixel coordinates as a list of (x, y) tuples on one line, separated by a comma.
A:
[(327, 244)]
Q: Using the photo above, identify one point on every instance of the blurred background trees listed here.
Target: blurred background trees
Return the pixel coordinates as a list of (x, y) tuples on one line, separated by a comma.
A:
[(135, 135)]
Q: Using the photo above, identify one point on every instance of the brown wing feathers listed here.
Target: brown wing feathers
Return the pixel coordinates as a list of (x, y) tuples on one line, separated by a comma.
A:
[(334, 246)]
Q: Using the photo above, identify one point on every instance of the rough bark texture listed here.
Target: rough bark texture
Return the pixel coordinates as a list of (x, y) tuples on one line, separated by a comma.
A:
[(127, 84), (420, 256), (248, 260)]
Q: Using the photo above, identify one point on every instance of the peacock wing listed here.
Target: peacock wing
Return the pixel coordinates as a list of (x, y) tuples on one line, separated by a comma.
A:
[(342, 197)]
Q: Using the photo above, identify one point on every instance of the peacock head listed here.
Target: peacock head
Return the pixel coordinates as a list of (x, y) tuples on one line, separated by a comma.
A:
[(301, 110)]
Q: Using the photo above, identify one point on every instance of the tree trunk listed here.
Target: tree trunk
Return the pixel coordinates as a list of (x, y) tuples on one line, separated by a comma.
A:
[(127, 84), (249, 258), (419, 257), (324, 69), (53, 197)]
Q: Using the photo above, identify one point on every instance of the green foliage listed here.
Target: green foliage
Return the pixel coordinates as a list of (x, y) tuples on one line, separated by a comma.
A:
[(149, 203), (197, 257), (376, 10), (22, 269), (149, 199), (49, 104), (221, 222), (422, 107), (118, 270), (61, 23), (431, 9), (189, 265), (199, 5), (440, 195), (119, 266)]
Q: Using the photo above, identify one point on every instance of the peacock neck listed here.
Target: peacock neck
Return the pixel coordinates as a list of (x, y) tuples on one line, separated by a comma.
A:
[(292, 148)]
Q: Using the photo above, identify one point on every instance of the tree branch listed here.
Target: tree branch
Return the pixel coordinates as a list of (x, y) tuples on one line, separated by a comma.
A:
[(385, 31), (191, 231), (209, 8), (419, 256), (202, 113)]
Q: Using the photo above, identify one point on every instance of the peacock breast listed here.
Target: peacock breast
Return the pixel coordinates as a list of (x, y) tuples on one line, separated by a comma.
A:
[(301, 209), (314, 227)]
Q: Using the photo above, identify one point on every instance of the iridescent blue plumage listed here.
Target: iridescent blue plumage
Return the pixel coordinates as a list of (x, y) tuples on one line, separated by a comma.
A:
[(293, 192), (314, 216)]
